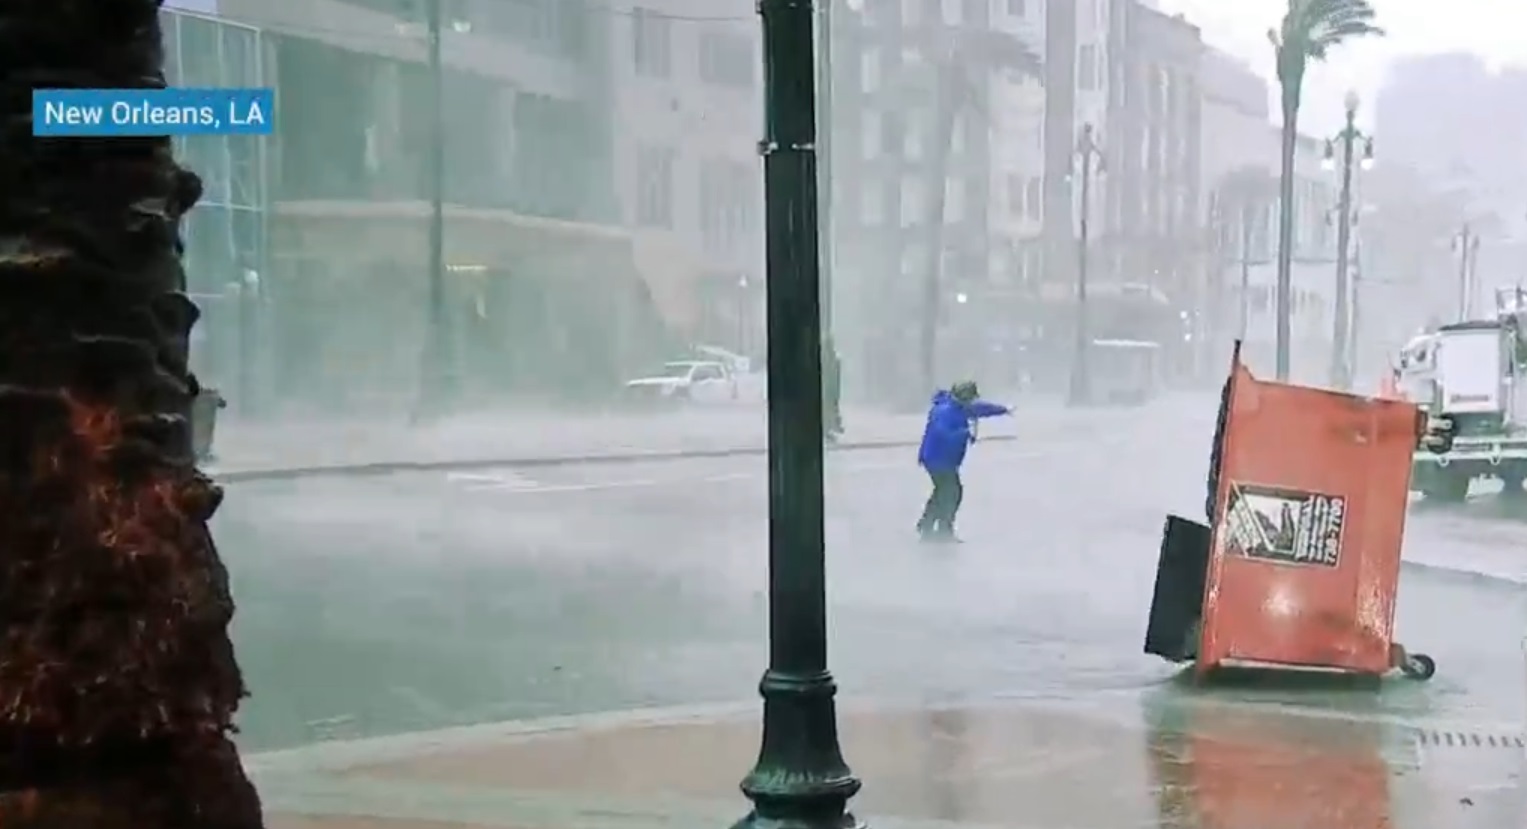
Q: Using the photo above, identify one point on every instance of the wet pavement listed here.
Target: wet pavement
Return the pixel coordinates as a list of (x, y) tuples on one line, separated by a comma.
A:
[(425, 601), (265, 448)]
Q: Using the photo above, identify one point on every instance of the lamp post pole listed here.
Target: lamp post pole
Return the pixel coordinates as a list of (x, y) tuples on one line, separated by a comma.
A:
[(800, 780), (1348, 138), (1466, 243), (435, 375), (1081, 380)]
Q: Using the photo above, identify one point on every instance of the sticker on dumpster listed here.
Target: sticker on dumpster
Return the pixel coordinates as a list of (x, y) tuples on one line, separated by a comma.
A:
[(1287, 526)]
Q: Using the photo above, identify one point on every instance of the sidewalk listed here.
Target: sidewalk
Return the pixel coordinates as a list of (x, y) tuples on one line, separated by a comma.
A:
[(1021, 766), (285, 449)]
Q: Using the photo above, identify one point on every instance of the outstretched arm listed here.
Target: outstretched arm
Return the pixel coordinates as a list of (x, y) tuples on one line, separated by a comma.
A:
[(981, 408)]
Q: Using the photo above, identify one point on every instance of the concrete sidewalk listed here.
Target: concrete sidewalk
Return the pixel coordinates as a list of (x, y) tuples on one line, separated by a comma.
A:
[(286, 449), (1024, 766)]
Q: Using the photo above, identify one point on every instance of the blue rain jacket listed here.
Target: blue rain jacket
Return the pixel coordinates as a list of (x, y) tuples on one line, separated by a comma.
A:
[(947, 435)]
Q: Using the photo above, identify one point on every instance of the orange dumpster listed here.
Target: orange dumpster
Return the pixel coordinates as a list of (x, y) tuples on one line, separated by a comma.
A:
[(1301, 562)]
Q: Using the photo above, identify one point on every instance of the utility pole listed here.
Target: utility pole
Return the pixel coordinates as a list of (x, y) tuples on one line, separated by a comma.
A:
[(1357, 295), (436, 373), (1341, 370), (800, 779), (1081, 380), (1246, 236), (1466, 244)]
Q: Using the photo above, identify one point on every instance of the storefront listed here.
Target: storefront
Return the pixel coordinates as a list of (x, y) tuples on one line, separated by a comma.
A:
[(225, 233)]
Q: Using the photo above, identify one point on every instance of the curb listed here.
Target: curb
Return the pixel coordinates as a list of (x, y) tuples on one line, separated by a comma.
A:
[(364, 470)]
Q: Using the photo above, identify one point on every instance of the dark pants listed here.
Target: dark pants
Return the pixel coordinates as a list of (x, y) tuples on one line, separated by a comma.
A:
[(943, 503)]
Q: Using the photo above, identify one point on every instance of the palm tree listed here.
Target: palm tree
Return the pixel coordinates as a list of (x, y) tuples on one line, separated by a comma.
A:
[(1310, 29), (118, 683), (959, 58)]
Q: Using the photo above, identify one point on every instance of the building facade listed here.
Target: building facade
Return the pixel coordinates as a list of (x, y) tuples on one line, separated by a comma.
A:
[(602, 192), (225, 235), (1154, 235), (905, 78)]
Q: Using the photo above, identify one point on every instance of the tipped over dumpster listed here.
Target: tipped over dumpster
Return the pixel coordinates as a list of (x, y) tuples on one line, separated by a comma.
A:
[(1299, 563)]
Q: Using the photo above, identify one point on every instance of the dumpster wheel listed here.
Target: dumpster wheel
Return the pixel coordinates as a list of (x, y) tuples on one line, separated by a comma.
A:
[(1418, 666)]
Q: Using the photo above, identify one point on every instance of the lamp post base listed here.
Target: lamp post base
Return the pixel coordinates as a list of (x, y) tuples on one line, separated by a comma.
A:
[(800, 780)]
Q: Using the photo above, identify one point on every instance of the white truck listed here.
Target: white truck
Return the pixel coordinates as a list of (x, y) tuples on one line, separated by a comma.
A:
[(1479, 386)]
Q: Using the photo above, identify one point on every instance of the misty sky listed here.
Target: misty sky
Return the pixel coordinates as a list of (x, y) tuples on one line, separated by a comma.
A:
[(1491, 28)]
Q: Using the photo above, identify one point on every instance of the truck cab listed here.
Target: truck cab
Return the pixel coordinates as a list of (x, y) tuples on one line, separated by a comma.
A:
[(1476, 371)]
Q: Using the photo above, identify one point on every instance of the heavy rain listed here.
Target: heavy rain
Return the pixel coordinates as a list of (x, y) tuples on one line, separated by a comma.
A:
[(520, 331)]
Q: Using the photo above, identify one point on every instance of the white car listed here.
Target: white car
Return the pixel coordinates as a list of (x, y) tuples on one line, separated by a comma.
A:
[(701, 381)]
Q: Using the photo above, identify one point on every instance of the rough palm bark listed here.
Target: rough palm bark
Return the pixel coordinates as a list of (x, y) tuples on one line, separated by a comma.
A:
[(118, 682), (1308, 32)]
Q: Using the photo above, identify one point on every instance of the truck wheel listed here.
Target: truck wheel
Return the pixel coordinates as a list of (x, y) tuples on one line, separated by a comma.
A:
[(1446, 486)]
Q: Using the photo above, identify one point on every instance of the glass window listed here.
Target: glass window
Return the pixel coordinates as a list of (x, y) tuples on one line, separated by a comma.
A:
[(871, 130), (872, 207), (169, 26), (1087, 68), (200, 52), (913, 200), (207, 156), (869, 69)]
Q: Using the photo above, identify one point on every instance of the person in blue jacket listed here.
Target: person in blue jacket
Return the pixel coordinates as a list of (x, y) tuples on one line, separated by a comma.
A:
[(945, 440)]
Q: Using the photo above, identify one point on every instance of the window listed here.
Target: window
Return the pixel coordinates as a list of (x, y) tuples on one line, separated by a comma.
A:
[(913, 201), (914, 141), (871, 131), (1015, 194), (654, 187), (706, 372), (911, 12), (872, 207), (1034, 200), (1018, 8), (952, 11), (727, 59), (1087, 68), (869, 69), (954, 200), (651, 43), (728, 205), (958, 138), (892, 132)]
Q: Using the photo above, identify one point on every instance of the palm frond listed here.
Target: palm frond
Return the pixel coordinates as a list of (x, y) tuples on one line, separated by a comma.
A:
[(1310, 28)]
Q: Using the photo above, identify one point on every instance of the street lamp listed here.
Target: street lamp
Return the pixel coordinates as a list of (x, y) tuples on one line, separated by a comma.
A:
[(1348, 139), (1090, 154), (435, 375), (961, 299), (1466, 245), (800, 780)]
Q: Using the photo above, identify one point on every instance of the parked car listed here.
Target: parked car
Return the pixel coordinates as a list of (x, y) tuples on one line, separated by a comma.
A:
[(700, 381)]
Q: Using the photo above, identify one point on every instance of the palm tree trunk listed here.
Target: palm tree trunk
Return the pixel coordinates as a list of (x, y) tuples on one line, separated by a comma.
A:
[(947, 109), (116, 670), (1291, 83)]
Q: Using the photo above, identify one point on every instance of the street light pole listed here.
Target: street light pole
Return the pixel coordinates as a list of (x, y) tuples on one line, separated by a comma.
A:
[(1341, 370), (825, 140), (1357, 298), (435, 374), (800, 780), (1466, 243), (1246, 238), (1081, 380)]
